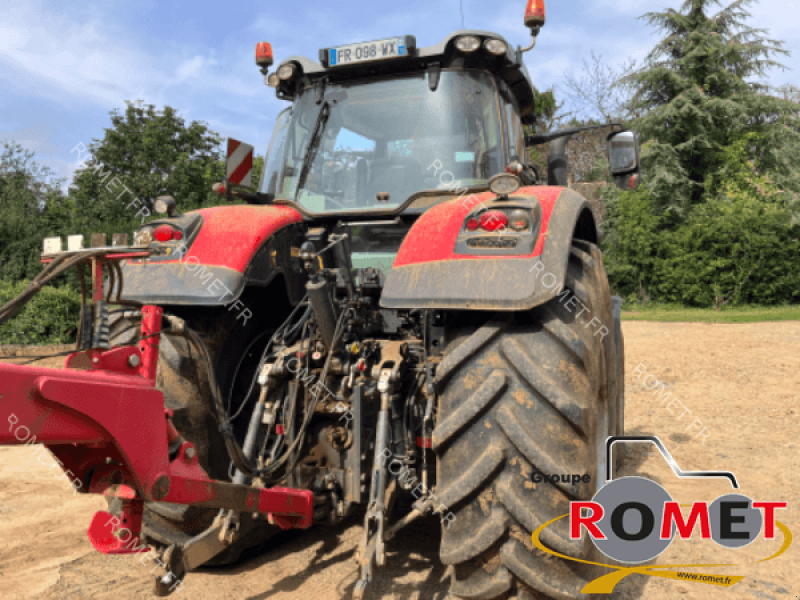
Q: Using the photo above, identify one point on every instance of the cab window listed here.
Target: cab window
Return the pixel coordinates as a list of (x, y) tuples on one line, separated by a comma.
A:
[(513, 126)]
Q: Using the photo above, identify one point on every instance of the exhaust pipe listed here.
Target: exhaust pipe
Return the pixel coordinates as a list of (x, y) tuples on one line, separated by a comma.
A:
[(557, 163)]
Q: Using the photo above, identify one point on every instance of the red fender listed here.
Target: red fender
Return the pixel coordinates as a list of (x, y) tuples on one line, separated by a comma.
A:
[(434, 270), (433, 236), (231, 235), (212, 268)]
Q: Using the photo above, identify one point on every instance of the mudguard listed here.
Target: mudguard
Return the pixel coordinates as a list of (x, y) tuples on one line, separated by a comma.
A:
[(428, 272), (234, 247)]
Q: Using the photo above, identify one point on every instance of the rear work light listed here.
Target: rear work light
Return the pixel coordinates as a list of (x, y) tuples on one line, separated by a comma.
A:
[(468, 43), (504, 184), (492, 220), (286, 72), (495, 47)]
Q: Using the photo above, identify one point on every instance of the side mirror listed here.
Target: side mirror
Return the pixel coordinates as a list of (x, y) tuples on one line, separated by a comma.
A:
[(623, 159)]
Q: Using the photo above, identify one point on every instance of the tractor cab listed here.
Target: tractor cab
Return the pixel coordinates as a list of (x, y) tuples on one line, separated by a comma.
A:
[(385, 126)]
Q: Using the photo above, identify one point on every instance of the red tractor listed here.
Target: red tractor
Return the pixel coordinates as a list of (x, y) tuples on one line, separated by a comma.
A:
[(405, 316)]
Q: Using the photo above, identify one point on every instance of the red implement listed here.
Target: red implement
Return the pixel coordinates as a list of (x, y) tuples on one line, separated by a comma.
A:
[(105, 422)]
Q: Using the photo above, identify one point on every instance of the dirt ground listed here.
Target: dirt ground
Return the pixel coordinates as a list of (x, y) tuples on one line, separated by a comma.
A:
[(738, 409)]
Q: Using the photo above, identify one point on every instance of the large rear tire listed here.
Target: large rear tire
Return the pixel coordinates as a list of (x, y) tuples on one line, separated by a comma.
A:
[(522, 392), (182, 377)]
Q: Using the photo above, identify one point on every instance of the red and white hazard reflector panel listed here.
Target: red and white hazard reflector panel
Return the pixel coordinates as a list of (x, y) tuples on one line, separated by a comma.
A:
[(239, 165)]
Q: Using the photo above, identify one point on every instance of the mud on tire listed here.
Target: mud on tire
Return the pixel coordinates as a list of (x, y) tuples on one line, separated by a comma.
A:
[(523, 392)]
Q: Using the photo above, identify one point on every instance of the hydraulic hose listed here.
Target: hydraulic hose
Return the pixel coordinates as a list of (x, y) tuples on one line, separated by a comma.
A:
[(59, 265), (235, 451)]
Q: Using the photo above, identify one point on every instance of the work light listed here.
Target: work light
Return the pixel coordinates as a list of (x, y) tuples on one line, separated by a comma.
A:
[(468, 43)]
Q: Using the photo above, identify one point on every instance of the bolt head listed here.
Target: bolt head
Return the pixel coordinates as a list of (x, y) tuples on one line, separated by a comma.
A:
[(95, 360), (133, 360), (161, 487), (190, 452)]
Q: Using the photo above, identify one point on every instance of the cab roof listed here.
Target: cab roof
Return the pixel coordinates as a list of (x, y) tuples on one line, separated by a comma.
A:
[(508, 67)]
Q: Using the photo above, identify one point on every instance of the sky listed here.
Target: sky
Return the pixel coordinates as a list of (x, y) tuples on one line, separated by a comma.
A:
[(64, 66)]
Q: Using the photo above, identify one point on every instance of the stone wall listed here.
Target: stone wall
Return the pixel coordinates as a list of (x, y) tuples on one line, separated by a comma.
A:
[(591, 191), (583, 150)]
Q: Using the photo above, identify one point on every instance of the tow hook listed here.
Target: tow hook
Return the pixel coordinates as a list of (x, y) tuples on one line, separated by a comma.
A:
[(172, 580)]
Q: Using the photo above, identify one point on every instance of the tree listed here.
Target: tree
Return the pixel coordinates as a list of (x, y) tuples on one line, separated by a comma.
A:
[(28, 192), (548, 111), (144, 154), (600, 92), (716, 219), (791, 93), (549, 116), (699, 94)]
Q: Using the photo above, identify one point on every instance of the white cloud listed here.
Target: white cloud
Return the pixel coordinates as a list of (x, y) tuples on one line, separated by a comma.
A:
[(74, 59), (83, 59), (193, 68), (37, 138), (97, 61)]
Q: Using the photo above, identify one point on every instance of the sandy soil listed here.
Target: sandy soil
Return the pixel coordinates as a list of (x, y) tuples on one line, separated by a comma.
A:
[(738, 409)]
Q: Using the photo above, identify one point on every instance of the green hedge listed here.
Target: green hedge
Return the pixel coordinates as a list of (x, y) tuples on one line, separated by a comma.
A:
[(51, 317), (735, 251)]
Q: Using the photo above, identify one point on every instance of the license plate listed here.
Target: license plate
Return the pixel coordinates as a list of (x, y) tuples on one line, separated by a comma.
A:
[(367, 51)]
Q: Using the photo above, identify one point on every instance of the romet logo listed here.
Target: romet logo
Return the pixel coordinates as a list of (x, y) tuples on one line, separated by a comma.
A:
[(633, 520)]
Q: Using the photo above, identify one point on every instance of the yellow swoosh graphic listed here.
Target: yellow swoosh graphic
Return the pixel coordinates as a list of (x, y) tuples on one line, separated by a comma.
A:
[(606, 583)]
